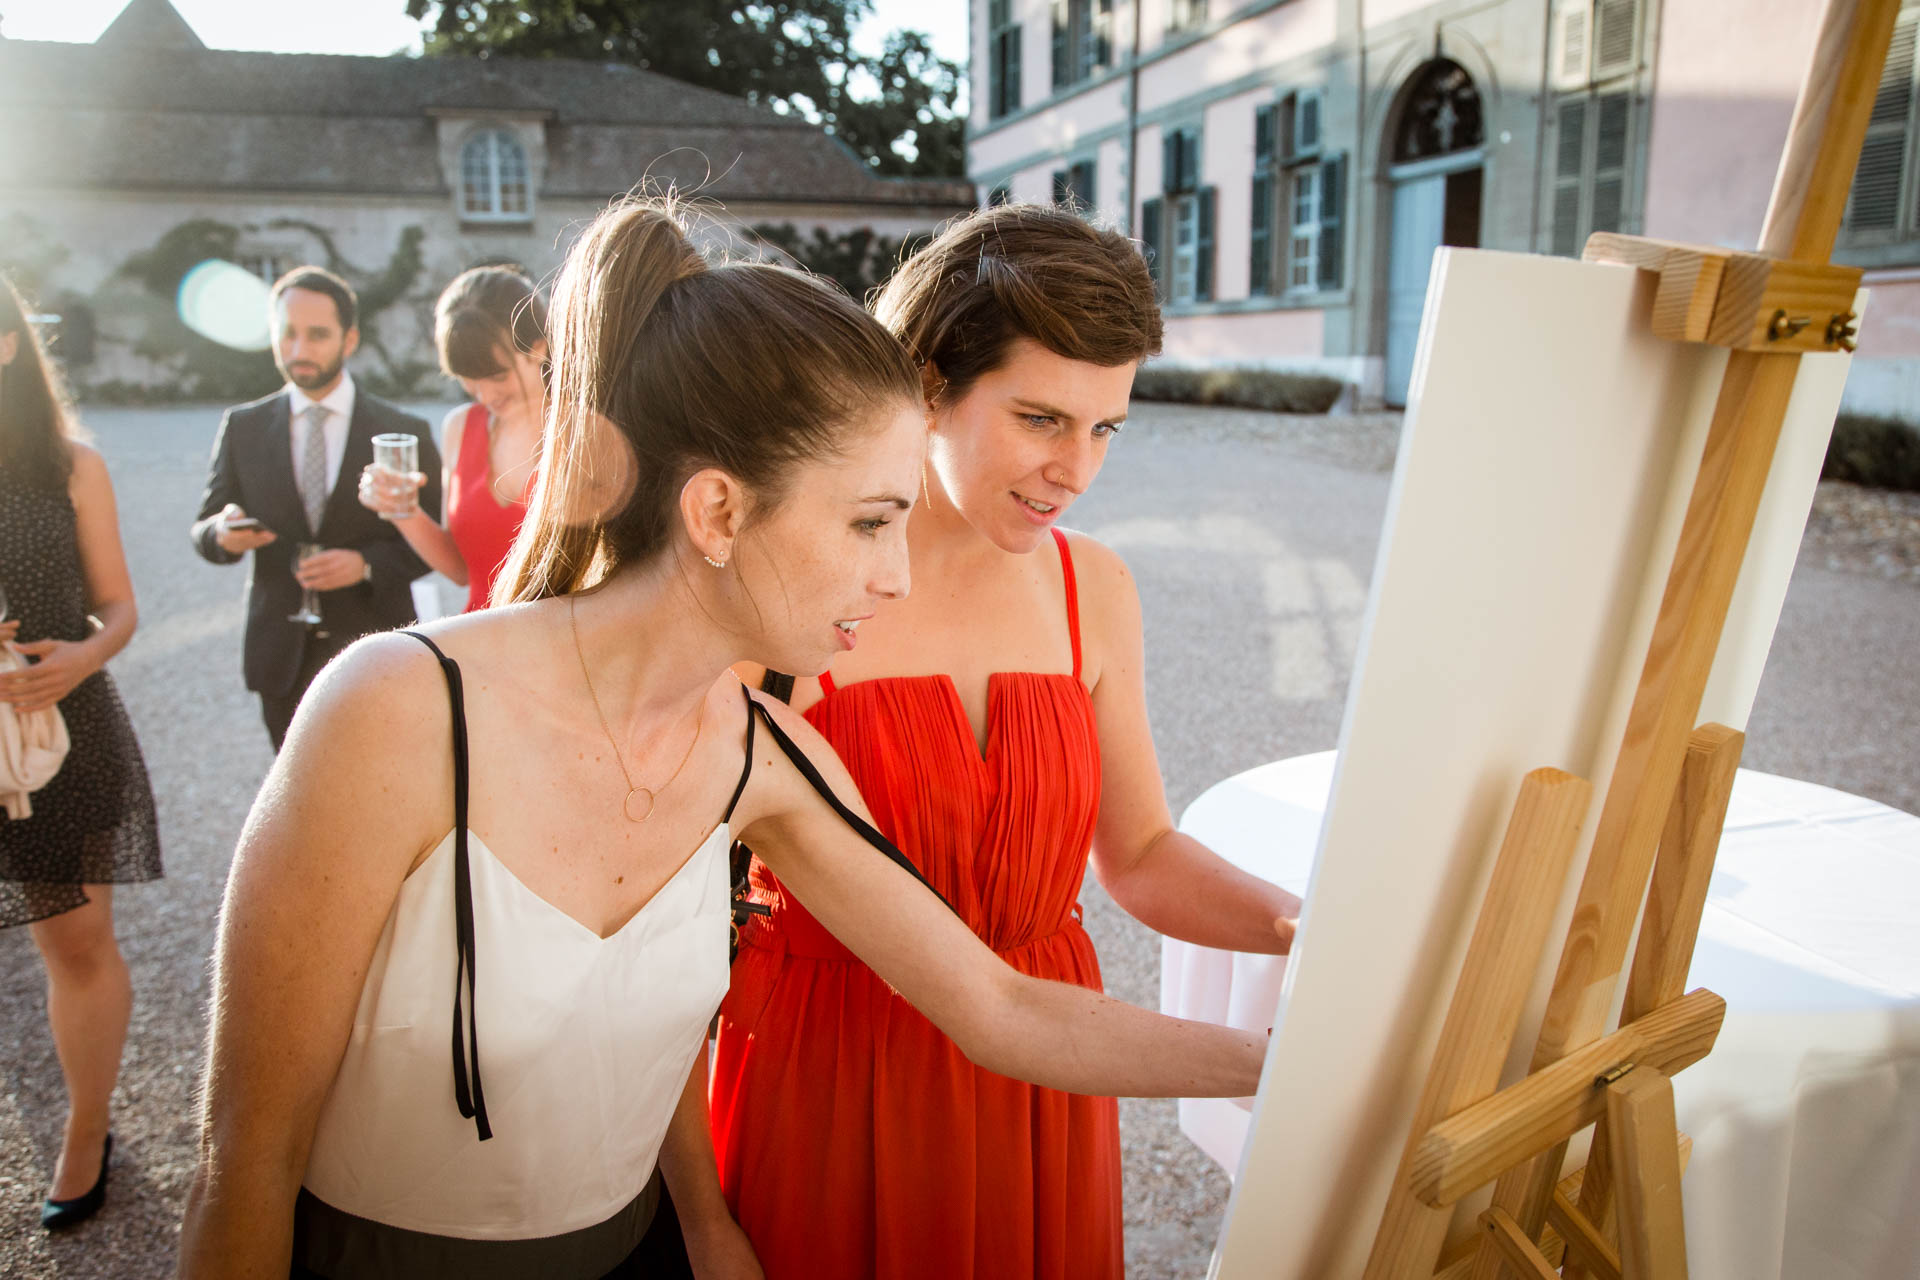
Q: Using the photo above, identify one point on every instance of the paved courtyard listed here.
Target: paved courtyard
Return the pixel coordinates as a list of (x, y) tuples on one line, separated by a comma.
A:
[(1252, 537)]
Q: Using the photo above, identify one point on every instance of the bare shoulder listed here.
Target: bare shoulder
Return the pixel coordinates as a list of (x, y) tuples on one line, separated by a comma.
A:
[(381, 700), (1105, 584), (89, 466)]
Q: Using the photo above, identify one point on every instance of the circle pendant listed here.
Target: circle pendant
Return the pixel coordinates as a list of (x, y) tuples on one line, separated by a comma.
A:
[(626, 806)]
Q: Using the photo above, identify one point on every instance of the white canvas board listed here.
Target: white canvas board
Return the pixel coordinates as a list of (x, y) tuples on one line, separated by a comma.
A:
[(1549, 448)]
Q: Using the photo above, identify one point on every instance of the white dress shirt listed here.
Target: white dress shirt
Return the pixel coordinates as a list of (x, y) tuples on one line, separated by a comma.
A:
[(339, 402)]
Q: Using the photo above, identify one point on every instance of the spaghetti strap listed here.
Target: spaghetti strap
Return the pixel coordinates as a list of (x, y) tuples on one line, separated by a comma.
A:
[(826, 687), (1073, 597), (864, 829), (466, 1053)]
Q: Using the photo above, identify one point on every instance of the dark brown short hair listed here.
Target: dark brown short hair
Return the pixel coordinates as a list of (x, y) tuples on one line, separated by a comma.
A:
[(663, 366), (320, 280), (1020, 271), (486, 310)]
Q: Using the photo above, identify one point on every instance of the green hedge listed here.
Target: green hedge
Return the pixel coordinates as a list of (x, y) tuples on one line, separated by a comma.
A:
[(1273, 389), (1881, 452)]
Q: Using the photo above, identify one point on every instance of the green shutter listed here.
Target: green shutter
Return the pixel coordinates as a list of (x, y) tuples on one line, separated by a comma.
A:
[(1260, 238), (1333, 209), (1153, 243), (1203, 248)]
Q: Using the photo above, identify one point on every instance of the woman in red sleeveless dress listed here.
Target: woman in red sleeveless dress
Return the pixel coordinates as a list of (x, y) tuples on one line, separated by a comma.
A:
[(491, 328), (995, 722)]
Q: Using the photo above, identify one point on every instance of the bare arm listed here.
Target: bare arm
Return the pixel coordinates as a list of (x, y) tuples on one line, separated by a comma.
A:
[(716, 1246), (60, 665), (1162, 877), (1050, 1033), (312, 885)]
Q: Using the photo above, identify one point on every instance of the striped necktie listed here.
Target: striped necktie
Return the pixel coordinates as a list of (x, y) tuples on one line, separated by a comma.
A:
[(313, 467)]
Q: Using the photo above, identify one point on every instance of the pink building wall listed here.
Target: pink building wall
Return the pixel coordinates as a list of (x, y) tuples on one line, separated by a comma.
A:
[(1246, 47)]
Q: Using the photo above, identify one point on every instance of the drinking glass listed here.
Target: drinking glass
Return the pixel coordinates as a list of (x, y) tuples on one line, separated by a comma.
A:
[(399, 453), (309, 614), (3, 604)]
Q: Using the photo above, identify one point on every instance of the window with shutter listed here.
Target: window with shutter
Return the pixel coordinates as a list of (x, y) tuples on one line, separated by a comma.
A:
[(1081, 178), (495, 185), (1003, 59), (1875, 203), (1570, 55), (1082, 40)]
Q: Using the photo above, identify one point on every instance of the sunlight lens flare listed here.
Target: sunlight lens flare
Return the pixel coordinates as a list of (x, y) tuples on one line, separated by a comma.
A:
[(226, 304)]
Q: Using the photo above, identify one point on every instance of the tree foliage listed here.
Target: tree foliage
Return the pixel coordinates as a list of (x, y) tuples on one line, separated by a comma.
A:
[(897, 110)]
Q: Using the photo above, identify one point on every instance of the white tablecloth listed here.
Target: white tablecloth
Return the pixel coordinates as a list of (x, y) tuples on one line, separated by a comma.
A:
[(1806, 1116)]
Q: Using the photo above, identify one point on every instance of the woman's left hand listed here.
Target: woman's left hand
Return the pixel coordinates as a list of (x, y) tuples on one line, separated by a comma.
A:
[(721, 1251), (62, 665)]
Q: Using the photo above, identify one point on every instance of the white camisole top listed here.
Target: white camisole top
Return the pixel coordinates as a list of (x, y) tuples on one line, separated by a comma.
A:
[(585, 1044)]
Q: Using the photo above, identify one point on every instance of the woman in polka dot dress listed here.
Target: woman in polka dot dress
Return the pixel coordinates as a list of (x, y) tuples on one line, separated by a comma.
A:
[(92, 825)]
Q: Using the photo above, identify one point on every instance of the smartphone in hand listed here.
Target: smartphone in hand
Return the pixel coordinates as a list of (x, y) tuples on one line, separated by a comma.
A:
[(245, 524)]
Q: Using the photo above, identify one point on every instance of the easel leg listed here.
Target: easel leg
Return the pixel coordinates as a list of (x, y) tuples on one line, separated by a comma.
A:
[(1653, 1240), (1671, 923)]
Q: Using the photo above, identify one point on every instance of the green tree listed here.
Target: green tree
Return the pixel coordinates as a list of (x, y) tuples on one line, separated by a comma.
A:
[(899, 111)]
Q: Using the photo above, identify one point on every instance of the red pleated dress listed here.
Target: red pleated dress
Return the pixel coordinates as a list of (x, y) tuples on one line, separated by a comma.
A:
[(854, 1139)]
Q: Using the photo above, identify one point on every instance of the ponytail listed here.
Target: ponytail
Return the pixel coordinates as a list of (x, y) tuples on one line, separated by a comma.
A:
[(663, 366)]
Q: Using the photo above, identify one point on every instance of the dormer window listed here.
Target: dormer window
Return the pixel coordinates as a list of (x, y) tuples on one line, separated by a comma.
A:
[(494, 185)]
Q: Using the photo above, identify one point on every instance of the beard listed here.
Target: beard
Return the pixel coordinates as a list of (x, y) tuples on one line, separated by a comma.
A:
[(311, 377)]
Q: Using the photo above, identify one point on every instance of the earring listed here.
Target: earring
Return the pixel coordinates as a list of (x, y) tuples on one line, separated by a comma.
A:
[(718, 564)]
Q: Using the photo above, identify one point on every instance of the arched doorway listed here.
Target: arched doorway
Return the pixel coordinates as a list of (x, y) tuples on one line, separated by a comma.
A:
[(1434, 163)]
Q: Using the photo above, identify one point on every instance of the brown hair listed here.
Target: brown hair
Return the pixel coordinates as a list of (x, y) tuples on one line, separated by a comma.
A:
[(485, 311), (320, 280), (37, 430), (663, 366), (1020, 271)]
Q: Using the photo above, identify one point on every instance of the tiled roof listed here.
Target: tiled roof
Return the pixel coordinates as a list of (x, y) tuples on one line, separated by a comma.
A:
[(133, 117)]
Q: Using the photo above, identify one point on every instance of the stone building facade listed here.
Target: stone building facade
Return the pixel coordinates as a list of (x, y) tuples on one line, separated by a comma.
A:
[(125, 162), (1294, 163)]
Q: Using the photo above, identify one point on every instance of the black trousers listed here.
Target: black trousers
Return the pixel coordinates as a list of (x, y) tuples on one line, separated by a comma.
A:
[(277, 708)]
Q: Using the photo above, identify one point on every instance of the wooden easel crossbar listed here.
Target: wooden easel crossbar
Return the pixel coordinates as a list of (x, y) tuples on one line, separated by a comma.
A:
[(1659, 825)]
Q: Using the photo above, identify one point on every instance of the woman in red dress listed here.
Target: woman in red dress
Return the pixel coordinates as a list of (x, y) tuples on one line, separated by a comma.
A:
[(995, 721), (491, 328)]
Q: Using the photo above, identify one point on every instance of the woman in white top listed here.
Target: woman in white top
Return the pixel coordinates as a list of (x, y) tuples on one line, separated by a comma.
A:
[(464, 1052)]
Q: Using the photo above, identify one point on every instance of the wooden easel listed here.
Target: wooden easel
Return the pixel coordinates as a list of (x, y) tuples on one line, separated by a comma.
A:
[(1620, 1217)]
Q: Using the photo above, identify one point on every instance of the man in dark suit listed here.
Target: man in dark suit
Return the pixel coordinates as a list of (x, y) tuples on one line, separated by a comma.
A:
[(286, 470)]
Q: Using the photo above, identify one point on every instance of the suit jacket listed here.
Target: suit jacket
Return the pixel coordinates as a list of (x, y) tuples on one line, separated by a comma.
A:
[(253, 466)]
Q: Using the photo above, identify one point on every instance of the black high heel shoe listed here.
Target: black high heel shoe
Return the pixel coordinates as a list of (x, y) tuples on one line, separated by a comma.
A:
[(58, 1215)]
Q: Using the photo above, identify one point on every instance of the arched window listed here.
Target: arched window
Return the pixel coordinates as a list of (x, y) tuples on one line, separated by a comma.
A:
[(1442, 114), (493, 178)]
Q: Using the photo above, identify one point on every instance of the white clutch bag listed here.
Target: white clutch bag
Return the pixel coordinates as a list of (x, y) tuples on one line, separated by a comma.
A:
[(33, 746)]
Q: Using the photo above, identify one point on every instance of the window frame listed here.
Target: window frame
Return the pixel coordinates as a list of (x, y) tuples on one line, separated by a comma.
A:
[(494, 176), (1082, 41), (1898, 242)]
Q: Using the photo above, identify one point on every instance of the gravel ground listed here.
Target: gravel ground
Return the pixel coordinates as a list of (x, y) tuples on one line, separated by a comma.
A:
[(1252, 536)]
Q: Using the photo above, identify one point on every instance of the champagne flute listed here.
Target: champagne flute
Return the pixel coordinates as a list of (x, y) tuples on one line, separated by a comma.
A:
[(399, 453), (309, 614)]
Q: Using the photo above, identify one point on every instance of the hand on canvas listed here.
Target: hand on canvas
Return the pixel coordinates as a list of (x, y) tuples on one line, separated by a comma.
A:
[(62, 665), (332, 569)]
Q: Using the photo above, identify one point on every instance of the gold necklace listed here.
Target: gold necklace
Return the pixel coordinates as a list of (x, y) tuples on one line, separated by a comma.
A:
[(626, 805)]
